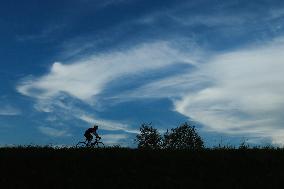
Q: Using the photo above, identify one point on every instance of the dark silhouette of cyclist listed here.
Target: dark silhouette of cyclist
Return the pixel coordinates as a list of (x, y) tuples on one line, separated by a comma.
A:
[(89, 132)]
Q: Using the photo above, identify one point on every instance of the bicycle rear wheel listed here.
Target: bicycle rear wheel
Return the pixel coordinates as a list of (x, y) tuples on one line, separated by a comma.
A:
[(81, 145)]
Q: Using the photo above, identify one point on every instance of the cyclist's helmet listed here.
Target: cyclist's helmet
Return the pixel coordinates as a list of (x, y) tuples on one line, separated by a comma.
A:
[(96, 127)]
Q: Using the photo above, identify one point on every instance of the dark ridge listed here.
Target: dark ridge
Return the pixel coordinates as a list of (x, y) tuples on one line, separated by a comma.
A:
[(46, 167)]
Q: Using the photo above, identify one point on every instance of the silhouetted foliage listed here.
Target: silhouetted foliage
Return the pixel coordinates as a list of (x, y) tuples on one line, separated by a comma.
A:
[(48, 167), (243, 145), (183, 137), (149, 137)]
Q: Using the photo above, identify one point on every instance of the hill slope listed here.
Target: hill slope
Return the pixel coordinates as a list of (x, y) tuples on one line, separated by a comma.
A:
[(126, 168)]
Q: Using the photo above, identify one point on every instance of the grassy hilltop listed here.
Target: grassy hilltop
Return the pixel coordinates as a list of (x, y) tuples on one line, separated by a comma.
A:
[(44, 167)]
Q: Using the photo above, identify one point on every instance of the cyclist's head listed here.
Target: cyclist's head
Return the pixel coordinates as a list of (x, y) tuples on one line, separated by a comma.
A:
[(96, 127)]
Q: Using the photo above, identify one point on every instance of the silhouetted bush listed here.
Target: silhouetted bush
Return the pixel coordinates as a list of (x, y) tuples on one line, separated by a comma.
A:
[(183, 137), (243, 145), (149, 137)]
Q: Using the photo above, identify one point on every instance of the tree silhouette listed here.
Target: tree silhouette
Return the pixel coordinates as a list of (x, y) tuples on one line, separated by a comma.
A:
[(183, 137), (149, 137)]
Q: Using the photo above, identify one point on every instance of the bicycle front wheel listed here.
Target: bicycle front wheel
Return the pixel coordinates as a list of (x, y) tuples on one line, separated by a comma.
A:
[(98, 145), (81, 145)]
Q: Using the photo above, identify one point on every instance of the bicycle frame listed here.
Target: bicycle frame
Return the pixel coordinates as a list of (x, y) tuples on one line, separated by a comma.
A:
[(95, 144)]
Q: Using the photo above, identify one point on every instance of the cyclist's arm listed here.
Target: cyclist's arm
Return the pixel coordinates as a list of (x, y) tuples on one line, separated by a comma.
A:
[(96, 134)]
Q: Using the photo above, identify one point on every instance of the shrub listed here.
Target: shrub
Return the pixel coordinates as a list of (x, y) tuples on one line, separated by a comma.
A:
[(183, 137), (149, 137)]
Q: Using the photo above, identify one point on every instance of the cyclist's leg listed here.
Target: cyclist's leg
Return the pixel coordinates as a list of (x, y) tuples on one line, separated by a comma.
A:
[(89, 139), (86, 137)]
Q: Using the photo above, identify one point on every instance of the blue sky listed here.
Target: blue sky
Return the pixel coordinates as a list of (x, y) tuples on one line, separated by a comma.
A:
[(65, 65)]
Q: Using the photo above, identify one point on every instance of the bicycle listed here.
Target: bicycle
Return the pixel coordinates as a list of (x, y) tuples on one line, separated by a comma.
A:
[(95, 144)]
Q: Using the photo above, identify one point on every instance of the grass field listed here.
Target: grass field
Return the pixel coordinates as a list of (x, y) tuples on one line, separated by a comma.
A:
[(45, 167)]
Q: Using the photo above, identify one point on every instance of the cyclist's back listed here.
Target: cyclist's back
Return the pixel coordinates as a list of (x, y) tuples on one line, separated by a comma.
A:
[(89, 132)]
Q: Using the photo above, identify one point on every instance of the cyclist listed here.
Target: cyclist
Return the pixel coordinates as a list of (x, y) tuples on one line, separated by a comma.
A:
[(89, 132)]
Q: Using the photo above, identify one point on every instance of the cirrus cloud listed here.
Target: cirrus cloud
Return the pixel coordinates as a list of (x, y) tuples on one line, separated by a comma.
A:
[(238, 92), (246, 96), (52, 132), (86, 78), (7, 110)]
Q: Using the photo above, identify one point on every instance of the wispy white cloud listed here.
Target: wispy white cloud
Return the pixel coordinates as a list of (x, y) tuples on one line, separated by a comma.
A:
[(237, 93), (107, 124), (42, 35), (49, 131), (230, 20), (86, 78), (7, 110), (276, 13), (107, 3), (247, 94), (59, 111), (117, 139)]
